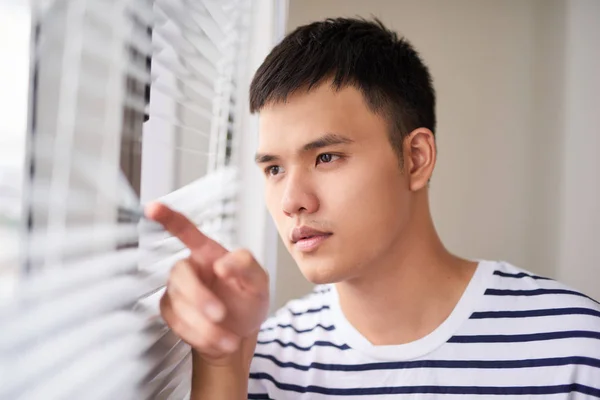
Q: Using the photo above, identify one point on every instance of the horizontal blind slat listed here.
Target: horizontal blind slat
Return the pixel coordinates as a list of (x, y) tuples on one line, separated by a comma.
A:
[(102, 311), (58, 350)]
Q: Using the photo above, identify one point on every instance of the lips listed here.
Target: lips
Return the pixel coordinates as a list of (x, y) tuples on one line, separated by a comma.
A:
[(306, 232)]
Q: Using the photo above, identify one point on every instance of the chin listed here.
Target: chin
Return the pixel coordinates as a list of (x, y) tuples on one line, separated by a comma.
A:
[(320, 272)]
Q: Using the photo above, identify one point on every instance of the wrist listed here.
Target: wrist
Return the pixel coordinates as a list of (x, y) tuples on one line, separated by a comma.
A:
[(227, 376)]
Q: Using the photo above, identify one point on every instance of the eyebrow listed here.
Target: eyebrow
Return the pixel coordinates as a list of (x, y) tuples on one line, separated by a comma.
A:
[(329, 139)]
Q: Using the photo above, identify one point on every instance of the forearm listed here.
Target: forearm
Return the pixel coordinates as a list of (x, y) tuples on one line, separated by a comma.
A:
[(226, 380)]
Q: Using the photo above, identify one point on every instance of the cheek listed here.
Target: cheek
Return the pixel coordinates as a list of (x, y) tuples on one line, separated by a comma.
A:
[(369, 208), (365, 192), (271, 200), (273, 203)]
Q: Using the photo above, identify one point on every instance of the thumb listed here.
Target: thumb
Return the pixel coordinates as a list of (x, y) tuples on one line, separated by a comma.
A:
[(239, 270)]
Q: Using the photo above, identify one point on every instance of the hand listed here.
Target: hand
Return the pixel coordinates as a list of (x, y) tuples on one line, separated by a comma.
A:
[(214, 298)]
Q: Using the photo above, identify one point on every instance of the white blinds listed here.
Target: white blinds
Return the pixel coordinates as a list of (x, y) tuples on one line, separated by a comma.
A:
[(82, 320)]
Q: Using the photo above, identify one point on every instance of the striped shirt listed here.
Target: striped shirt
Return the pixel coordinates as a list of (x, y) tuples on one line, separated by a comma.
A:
[(512, 335)]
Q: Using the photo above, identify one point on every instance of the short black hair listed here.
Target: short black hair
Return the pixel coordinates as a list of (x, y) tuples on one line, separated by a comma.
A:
[(388, 71)]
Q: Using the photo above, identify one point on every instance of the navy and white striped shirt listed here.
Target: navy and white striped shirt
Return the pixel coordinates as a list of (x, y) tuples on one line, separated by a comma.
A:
[(512, 335)]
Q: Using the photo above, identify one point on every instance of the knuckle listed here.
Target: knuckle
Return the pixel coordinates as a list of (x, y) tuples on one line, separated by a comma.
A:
[(177, 276), (245, 257), (178, 268)]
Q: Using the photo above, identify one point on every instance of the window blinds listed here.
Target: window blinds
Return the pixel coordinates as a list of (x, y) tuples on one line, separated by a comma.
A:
[(82, 319)]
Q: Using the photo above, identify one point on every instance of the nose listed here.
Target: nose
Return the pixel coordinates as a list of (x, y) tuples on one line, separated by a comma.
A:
[(298, 196)]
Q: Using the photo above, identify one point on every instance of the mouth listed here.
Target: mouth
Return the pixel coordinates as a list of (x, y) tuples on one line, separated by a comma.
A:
[(311, 243), (307, 239)]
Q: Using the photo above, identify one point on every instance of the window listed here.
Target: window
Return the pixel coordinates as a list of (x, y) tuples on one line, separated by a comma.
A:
[(133, 100)]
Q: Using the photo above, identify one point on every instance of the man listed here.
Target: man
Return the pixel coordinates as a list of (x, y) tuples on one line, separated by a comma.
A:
[(347, 147)]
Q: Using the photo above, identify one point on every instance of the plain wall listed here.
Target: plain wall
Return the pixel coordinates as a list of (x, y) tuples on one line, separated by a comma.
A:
[(509, 77)]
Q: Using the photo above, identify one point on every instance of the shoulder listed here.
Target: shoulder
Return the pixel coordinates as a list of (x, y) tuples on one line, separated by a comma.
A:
[(522, 287), (520, 298)]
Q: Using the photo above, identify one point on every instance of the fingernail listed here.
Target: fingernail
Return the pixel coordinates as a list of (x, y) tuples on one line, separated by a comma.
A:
[(227, 344), (214, 311)]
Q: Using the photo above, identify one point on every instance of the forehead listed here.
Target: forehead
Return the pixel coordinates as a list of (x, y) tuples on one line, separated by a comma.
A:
[(307, 116)]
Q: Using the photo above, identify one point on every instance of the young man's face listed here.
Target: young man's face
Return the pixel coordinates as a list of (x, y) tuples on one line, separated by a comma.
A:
[(334, 186)]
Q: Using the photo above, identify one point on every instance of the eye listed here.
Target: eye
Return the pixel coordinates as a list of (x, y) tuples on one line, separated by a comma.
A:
[(273, 170), (326, 158)]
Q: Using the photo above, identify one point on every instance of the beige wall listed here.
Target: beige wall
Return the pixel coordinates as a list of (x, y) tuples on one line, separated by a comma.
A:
[(499, 68)]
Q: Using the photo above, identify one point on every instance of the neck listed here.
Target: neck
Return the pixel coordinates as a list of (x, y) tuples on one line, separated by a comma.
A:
[(409, 291)]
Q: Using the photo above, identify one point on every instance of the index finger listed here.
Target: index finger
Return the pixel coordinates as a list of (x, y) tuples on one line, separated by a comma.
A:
[(200, 245)]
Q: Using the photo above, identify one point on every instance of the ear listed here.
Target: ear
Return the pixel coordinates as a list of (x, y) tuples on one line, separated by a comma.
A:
[(419, 157)]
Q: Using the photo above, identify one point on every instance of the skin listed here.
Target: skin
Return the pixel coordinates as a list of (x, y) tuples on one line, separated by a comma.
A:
[(329, 165), (395, 279), (215, 301)]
